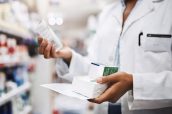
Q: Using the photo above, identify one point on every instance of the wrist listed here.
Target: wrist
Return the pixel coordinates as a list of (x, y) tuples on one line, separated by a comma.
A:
[(67, 60), (130, 81), (68, 57)]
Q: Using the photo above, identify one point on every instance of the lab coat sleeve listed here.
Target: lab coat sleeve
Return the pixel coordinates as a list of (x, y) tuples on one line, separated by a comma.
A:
[(150, 92), (78, 66)]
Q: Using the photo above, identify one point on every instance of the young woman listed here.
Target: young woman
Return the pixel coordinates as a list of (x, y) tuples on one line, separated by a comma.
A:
[(136, 35)]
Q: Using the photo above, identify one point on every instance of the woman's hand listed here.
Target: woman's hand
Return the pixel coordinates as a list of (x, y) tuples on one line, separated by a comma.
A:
[(48, 50), (119, 83)]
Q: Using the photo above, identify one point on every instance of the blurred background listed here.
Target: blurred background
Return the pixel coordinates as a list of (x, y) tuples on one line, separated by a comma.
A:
[(22, 70)]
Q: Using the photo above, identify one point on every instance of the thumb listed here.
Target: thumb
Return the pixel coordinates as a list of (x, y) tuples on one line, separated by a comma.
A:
[(107, 79), (55, 53)]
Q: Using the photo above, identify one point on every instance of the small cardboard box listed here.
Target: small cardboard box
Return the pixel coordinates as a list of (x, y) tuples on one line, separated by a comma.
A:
[(96, 71), (83, 85), (87, 85)]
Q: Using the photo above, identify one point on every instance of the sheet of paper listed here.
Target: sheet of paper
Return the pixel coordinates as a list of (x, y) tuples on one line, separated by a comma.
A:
[(65, 89)]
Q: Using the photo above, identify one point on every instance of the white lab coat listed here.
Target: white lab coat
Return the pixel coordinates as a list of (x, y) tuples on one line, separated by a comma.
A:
[(150, 63)]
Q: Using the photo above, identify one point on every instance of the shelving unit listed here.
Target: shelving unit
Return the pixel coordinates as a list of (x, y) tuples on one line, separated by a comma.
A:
[(9, 96), (16, 62), (27, 110), (14, 29), (12, 64)]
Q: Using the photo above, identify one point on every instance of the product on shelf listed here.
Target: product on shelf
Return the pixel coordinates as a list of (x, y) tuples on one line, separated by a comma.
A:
[(3, 40), (13, 77), (10, 86), (3, 47), (19, 103), (20, 75), (10, 80), (6, 108), (22, 53), (10, 52), (2, 83), (11, 43)]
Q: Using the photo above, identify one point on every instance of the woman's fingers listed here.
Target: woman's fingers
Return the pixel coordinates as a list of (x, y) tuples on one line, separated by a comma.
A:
[(47, 51), (50, 51), (40, 39), (54, 52), (104, 97), (108, 79), (42, 46), (111, 93)]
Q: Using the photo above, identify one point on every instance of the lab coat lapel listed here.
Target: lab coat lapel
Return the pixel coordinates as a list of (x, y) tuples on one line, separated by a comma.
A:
[(141, 11), (118, 12)]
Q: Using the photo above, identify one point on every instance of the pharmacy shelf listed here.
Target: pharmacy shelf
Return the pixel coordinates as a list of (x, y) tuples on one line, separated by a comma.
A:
[(14, 29), (9, 96), (12, 64), (9, 63), (27, 110)]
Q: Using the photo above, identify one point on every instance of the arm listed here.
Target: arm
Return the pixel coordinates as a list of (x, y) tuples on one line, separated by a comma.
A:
[(79, 65), (69, 63), (145, 91)]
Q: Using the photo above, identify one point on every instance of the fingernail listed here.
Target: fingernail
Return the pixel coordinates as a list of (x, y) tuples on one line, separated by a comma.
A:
[(57, 50), (99, 80), (90, 100)]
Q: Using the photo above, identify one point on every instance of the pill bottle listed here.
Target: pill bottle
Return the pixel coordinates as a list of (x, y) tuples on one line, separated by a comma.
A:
[(47, 33)]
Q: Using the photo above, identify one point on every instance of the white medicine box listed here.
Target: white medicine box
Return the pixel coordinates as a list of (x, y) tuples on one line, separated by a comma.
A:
[(87, 85)]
